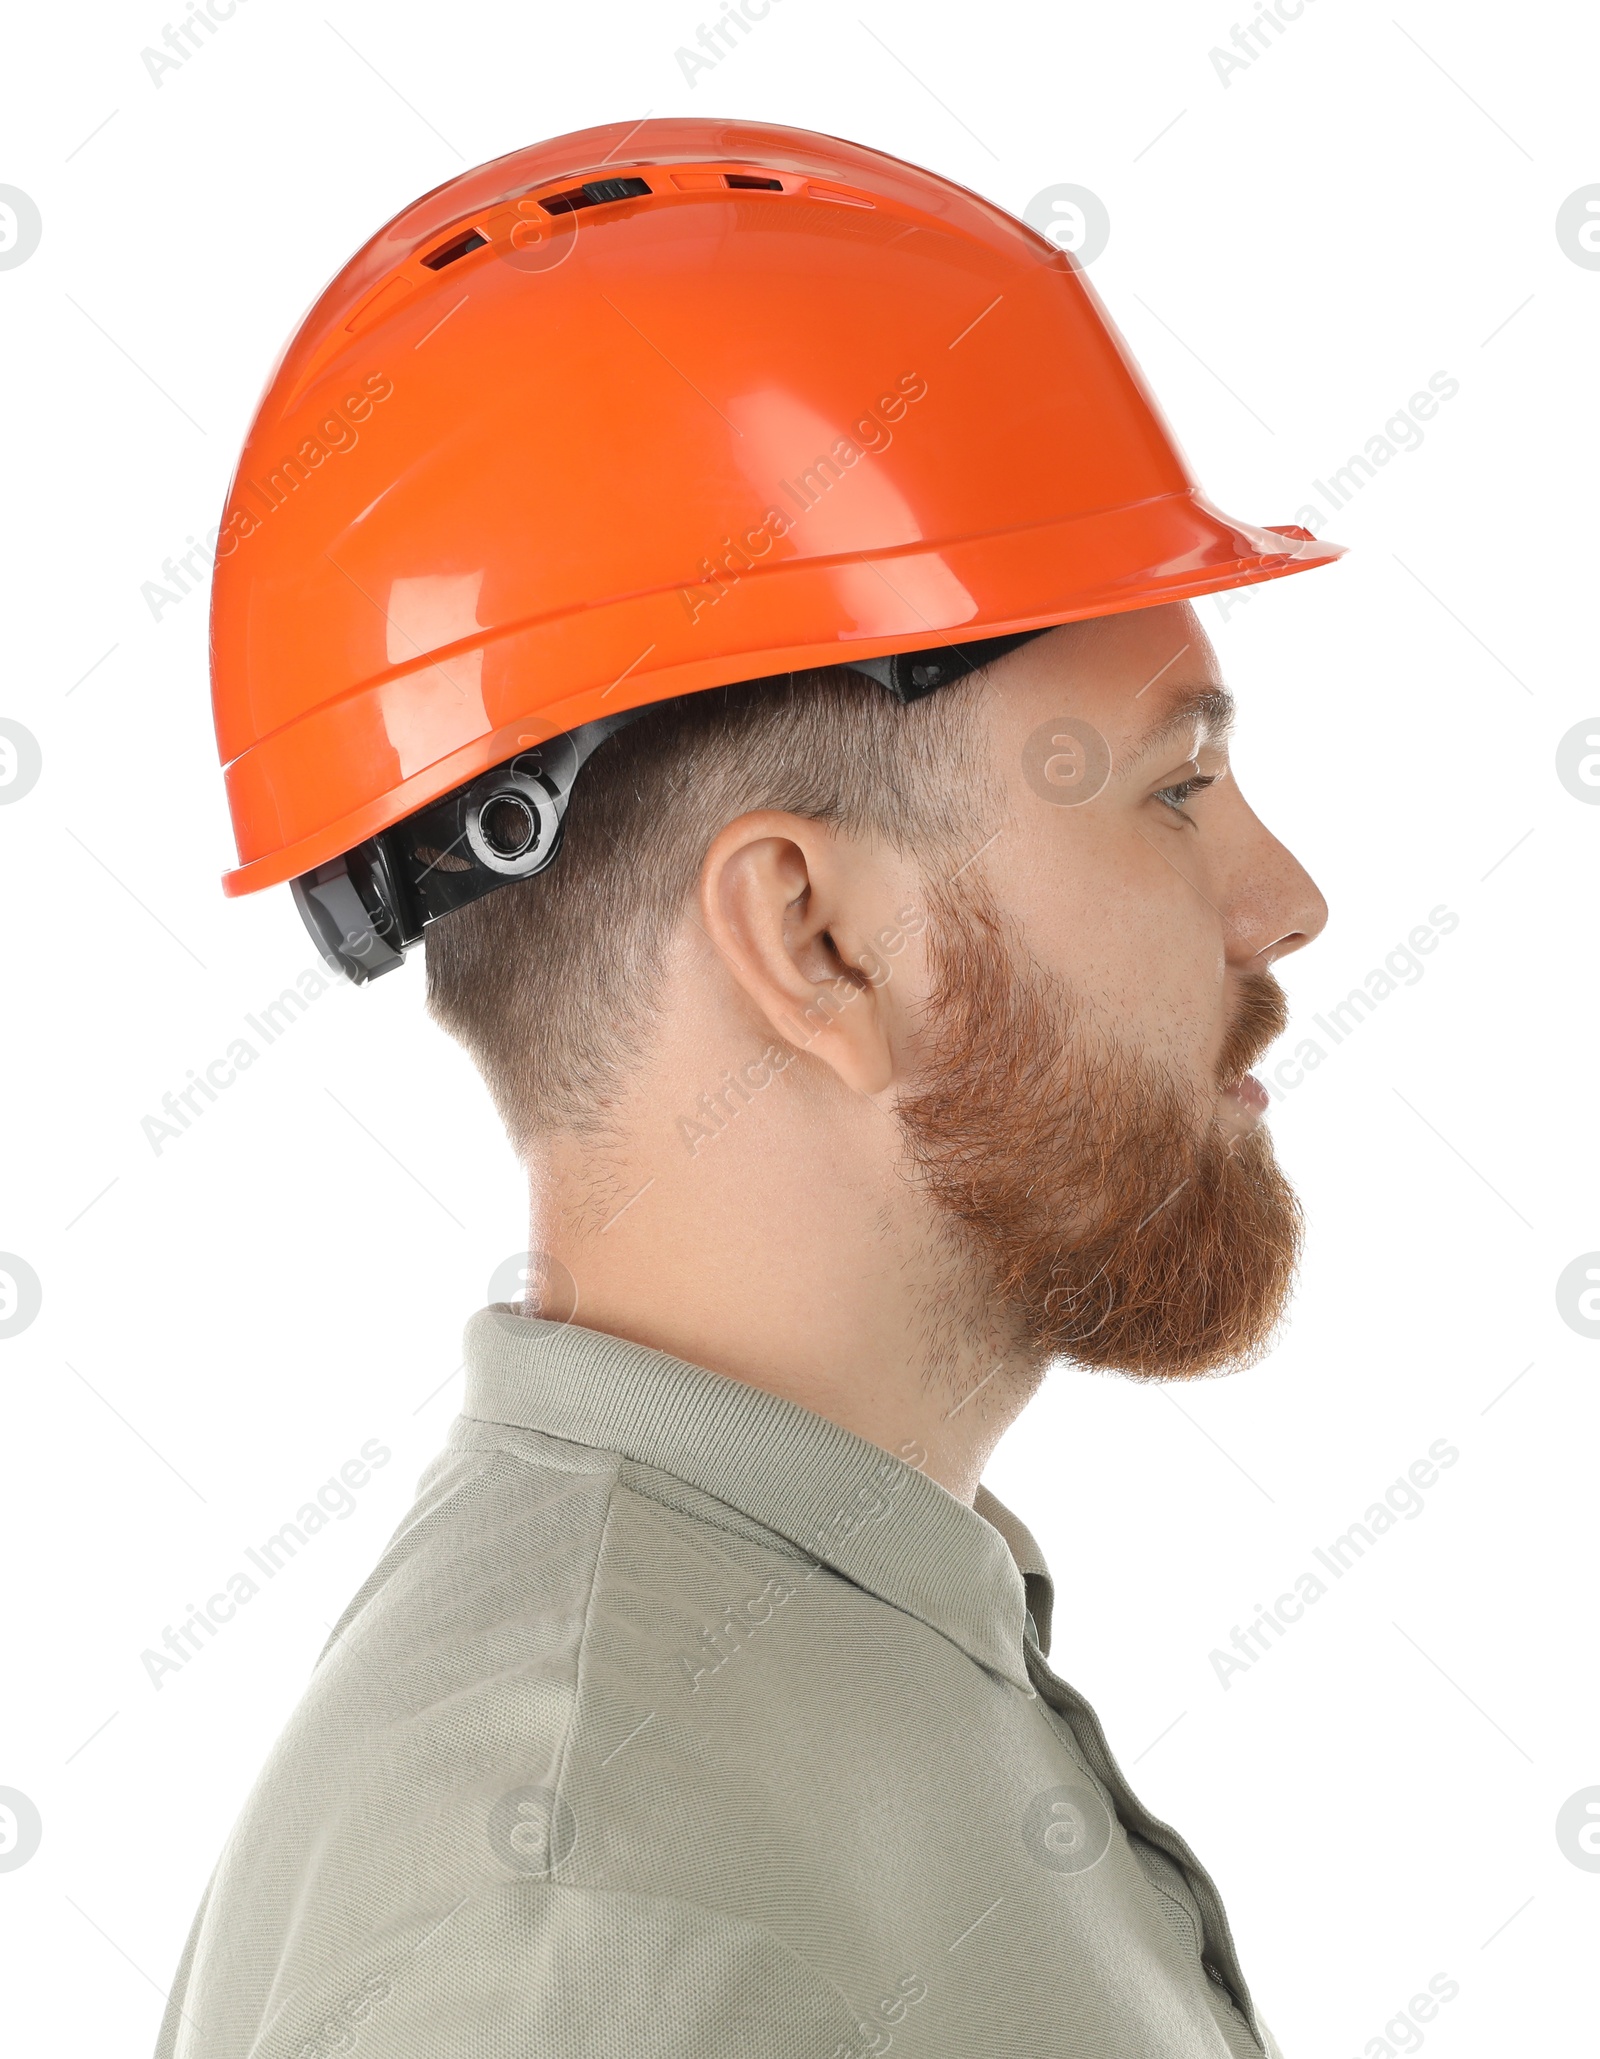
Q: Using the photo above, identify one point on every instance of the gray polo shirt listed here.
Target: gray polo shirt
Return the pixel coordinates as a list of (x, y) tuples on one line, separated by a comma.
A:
[(677, 1722)]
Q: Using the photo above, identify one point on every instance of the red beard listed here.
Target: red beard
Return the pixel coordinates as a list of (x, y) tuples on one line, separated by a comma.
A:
[(1118, 1228)]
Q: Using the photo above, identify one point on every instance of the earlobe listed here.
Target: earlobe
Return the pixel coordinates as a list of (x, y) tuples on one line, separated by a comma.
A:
[(773, 892)]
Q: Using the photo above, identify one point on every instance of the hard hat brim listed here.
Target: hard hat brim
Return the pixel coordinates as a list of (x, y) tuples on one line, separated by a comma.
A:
[(482, 706)]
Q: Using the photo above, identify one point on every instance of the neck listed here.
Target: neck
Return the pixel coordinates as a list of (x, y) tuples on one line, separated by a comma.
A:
[(787, 1249)]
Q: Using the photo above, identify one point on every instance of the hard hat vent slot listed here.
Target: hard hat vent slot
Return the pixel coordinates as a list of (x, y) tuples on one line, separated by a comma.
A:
[(447, 253), (593, 193), (750, 184)]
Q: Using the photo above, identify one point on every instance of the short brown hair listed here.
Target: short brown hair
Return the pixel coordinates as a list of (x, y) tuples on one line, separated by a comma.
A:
[(551, 984)]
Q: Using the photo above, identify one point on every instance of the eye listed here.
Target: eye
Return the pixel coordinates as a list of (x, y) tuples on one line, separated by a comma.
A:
[(1176, 796)]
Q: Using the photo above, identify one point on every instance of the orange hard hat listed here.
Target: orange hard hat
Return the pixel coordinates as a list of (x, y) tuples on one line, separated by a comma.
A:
[(643, 411)]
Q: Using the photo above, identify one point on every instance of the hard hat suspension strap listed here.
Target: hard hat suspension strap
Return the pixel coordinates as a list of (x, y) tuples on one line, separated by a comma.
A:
[(367, 908)]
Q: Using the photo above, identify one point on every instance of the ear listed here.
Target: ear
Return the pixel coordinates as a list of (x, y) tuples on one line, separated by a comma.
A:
[(785, 902)]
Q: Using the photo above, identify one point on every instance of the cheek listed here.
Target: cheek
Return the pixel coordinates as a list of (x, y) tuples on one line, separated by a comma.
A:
[(1132, 939)]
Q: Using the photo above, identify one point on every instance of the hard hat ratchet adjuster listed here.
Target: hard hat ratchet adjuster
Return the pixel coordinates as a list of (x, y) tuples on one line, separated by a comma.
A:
[(367, 908)]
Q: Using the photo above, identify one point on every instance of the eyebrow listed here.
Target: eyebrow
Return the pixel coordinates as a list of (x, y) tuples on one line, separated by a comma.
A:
[(1211, 706)]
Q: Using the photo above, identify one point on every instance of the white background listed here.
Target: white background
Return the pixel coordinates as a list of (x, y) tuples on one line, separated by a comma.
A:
[(1292, 255)]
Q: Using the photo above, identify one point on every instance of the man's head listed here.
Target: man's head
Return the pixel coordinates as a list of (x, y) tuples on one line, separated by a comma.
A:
[(979, 976)]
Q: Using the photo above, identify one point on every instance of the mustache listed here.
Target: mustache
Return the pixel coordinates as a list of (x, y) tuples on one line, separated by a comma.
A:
[(1262, 1017)]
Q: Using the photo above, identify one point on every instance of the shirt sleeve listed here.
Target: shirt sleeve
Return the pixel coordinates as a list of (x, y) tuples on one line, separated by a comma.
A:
[(570, 1972)]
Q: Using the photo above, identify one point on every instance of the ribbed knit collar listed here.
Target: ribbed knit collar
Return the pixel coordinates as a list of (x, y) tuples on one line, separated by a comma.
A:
[(969, 1573)]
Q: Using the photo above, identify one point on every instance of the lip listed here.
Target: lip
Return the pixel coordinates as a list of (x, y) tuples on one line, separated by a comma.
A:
[(1249, 1094)]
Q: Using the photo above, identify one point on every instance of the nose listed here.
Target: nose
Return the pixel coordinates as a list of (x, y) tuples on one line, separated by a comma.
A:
[(1276, 906)]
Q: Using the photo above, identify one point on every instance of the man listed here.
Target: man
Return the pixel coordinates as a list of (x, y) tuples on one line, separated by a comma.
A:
[(865, 945)]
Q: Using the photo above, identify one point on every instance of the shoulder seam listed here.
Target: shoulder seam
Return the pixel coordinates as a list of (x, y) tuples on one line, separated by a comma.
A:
[(559, 1779), (724, 1918), (769, 1538)]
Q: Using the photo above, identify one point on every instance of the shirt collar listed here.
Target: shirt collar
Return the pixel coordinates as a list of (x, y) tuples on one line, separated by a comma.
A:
[(1038, 1585), (970, 1573)]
